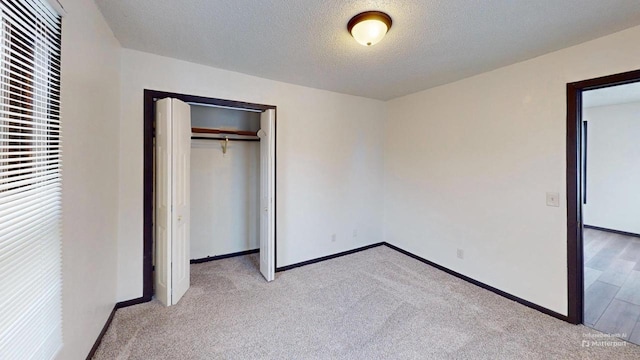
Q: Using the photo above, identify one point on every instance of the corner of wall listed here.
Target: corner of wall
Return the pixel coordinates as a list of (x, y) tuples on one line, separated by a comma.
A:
[(90, 118)]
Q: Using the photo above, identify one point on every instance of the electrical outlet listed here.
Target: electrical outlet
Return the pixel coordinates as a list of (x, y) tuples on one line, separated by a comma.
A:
[(333, 237), (460, 254), (553, 199)]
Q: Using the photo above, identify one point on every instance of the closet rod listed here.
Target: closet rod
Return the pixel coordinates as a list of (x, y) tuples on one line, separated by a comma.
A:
[(220, 131), (216, 138)]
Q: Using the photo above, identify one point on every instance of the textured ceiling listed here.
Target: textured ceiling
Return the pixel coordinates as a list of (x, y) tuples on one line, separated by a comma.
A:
[(305, 42), (620, 94)]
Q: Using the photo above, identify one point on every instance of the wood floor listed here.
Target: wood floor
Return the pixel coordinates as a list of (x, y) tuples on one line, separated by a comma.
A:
[(612, 283)]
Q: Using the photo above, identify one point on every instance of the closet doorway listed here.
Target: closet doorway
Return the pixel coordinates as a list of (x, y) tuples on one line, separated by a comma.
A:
[(230, 176)]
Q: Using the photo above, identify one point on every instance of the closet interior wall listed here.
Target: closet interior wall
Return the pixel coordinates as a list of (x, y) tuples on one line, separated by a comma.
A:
[(225, 182)]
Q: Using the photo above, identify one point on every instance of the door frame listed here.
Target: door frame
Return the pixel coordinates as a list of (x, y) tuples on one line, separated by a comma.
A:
[(575, 183), (149, 119)]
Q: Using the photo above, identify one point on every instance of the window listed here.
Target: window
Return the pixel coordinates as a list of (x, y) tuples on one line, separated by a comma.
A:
[(30, 180)]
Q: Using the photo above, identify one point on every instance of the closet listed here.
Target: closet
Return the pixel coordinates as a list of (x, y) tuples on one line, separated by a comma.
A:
[(214, 189), (225, 181)]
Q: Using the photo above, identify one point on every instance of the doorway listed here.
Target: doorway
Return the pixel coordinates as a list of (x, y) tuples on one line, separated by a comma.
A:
[(599, 244), (150, 97)]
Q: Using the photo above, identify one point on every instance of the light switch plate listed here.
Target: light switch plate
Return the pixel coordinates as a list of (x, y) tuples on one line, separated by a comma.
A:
[(553, 199)]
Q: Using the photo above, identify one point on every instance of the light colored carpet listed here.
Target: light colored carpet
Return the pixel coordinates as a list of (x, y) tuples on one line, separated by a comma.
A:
[(375, 304)]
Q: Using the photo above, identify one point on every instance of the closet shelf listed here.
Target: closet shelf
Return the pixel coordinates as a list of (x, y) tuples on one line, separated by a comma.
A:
[(196, 130)]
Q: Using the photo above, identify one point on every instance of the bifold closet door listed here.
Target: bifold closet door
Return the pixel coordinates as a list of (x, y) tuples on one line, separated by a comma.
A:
[(172, 151), (162, 275), (267, 194)]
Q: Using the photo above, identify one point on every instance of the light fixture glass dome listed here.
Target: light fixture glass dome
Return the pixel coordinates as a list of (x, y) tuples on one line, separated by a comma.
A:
[(368, 28)]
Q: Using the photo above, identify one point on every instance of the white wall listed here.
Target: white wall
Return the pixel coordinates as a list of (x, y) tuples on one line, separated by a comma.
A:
[(220, 118), (329, 159), (613, 167), (90, 117), (224, 197), (467, 166)]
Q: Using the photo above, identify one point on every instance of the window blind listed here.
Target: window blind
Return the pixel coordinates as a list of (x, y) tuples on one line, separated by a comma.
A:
[(30, 180)]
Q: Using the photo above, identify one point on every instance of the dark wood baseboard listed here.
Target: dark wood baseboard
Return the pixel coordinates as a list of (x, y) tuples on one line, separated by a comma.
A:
[(225, 256), (611, 231), (104, 330), (328, 257), (136, 301), (117, 306), (482, 285)]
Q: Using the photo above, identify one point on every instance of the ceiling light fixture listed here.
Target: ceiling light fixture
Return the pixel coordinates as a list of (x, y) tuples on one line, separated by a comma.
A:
[(369, 27)]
